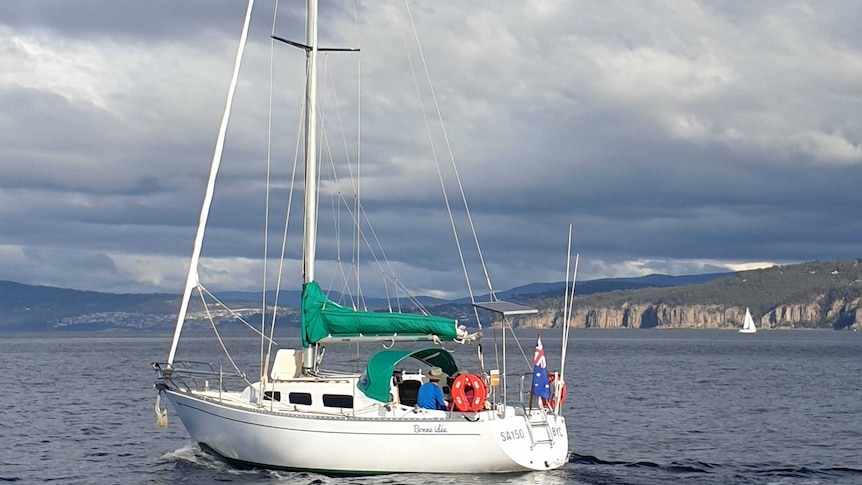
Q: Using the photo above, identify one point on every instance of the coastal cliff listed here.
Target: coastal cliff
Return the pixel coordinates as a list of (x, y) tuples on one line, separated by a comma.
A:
[(808, 295), (836, 314)]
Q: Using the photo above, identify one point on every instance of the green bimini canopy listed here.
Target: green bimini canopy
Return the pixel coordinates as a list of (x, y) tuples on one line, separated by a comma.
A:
[(375, 381), (322, 317)]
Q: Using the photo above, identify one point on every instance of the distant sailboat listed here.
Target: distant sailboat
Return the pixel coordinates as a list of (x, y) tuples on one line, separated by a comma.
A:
[(748, 324)]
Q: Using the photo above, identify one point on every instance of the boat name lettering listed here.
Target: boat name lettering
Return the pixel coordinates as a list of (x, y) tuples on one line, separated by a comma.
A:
[(513, 434), (422, 429)]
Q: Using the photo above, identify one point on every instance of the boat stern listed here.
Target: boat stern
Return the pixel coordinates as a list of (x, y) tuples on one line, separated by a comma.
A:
[(535, 441)]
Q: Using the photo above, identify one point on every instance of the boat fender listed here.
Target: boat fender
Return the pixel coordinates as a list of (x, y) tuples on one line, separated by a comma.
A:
[(459, 392), (161, 414)]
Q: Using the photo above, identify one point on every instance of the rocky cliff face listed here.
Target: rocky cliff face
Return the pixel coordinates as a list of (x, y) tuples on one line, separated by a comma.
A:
[(821, 313), (806, 295)]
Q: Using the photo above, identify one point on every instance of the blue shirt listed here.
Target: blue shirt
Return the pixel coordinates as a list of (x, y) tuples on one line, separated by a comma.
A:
[(430, 396)]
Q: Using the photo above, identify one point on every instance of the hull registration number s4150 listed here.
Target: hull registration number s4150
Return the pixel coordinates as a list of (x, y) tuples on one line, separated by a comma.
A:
[(513, 434)]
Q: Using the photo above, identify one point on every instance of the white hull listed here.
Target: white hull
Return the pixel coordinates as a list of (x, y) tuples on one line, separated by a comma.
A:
[(424, 441), (339, 423)]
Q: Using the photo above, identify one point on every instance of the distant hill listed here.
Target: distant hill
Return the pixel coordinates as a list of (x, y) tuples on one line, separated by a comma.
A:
[(810, 295), (532, 290), (554, 290), (807, 295), (42, 308), (37, 308)]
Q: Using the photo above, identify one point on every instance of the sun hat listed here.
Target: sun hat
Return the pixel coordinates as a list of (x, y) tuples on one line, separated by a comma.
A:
[(435, 374)]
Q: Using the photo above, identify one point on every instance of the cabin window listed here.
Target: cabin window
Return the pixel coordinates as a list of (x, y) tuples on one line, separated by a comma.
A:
[(272, 395), (338, 401), (300, 398)]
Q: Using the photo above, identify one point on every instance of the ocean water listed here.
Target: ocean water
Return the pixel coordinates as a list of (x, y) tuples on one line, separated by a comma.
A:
[(644, 407)]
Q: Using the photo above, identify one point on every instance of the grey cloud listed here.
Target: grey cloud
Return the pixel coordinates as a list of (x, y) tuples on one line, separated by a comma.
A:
[(677, 137)]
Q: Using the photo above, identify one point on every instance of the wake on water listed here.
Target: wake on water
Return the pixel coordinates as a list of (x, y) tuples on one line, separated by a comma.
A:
[(197, 465), (191, 462), (701, 471), (192, 459)]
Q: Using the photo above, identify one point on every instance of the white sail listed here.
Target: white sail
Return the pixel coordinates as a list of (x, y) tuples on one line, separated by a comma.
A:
[(748, 324)]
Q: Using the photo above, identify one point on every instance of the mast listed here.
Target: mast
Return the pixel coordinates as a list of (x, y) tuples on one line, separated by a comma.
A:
[(309, 238), (192, 280), (309, 241)]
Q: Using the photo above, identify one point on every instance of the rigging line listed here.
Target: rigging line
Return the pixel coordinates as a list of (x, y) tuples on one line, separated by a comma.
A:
[(476, 314), (389, 297), (382, 257), (436, 159), (572, 292), (280, 273), (385, 259), (346, 293), (193, 278), (232, 312), (397, 285), (566, 306), (201, 290), (321, 136), (566, 292), (452, 159), (335, 207), (571, 306), (518, 343), (355, 181), (265, 364), (339, 263), (497, 348), (357, 223), (566, 316), (380, 260), (377, 259)]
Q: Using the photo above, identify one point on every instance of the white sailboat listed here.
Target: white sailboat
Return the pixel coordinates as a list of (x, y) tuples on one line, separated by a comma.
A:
[(748, 324), (298, 416)]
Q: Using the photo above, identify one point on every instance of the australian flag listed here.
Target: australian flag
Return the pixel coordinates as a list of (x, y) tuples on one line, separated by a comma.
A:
[(541, 386)]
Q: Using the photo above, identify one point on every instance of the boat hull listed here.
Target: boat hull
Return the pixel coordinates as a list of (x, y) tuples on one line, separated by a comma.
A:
[(338, 444)]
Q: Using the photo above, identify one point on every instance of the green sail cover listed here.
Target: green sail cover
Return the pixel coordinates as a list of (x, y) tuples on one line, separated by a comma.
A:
[(322, 317), (375, 381)]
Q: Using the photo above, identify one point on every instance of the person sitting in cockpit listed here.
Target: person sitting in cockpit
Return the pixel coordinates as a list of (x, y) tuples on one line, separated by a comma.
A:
[(430, 395)]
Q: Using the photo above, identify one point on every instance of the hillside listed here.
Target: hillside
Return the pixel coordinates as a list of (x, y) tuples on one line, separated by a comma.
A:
[(807, 295), (38, 308), (41, 308)]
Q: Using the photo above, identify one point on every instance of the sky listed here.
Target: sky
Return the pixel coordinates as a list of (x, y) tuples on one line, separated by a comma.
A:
[(676, 137)]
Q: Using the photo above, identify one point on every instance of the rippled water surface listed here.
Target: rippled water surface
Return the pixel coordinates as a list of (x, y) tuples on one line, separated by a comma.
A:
[(644, 406)]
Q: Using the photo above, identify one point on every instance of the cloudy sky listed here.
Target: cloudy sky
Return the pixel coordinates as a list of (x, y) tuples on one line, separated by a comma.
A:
[(677, 137)]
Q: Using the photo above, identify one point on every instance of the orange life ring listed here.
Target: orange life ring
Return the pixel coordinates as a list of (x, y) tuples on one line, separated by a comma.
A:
[(552, 376), (462, 387)]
